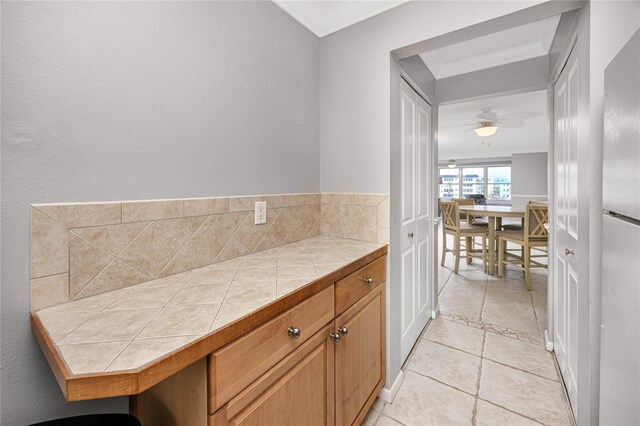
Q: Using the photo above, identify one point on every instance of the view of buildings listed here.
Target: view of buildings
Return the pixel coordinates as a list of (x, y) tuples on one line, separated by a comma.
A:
[(492, 182)]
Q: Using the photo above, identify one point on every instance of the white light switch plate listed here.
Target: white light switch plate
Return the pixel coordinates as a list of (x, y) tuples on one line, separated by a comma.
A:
[(261, 213)]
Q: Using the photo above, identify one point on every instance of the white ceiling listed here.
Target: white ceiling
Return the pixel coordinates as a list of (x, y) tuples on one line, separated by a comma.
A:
[(503, 47), (461, 142), (323, 17)]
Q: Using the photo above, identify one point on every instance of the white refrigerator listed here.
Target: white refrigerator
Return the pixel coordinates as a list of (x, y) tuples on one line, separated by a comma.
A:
[(620, 338)]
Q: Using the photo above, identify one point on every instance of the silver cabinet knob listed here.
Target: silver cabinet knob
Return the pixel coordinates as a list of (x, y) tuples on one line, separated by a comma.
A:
[(368, 281), (410, 234), (568, 252), (335, 337), (294, 332), (343, 330)]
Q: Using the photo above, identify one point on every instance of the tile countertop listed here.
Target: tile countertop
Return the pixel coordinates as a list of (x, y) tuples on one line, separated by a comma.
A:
[(128, 328)]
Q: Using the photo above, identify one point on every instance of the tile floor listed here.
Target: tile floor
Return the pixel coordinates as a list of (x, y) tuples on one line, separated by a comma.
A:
[(482, 362)]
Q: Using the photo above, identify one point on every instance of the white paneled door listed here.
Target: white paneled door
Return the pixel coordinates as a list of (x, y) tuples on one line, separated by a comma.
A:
[(416, 216), (567, 291)]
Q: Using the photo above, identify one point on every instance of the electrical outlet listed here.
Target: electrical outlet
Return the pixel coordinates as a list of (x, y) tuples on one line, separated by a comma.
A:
[(261, 213)]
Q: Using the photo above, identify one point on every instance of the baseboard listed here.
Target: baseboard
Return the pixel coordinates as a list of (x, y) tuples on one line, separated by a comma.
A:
[(388, 395), (548, 344), (435, 313)]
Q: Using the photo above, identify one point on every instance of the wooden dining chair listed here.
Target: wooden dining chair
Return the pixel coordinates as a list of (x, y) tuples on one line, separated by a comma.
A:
[(464, 216), (533, 236), (451, 225), (518, 226)]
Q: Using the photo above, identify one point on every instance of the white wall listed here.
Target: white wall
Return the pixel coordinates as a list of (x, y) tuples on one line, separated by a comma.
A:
[(138, 100), (358, 113), (528, 177), (355, 85), (611, 25)]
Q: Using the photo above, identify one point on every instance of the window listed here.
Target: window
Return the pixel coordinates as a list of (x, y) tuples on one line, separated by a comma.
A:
[(472, 181), (498, 183), (450, 183), (494, 182)]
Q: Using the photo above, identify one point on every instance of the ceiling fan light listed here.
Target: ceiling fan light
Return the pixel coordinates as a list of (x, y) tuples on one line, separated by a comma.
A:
[(489, 130)]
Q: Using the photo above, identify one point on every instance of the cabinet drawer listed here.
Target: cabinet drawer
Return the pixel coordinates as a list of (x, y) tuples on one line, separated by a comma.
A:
[(234, 367), (357, 285), (299, 390)]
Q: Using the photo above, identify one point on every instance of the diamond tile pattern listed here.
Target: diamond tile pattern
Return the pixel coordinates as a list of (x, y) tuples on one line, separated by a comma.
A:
[(138, 324), (155, 249)]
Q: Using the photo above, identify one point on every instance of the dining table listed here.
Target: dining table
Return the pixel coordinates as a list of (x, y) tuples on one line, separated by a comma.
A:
[(494, 215)]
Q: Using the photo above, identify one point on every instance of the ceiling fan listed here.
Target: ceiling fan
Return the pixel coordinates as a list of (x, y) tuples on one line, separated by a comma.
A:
[(488, 122)]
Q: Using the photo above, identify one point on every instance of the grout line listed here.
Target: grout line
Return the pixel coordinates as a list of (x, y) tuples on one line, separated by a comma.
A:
[(475, 403), (225, 296), (510, 410)]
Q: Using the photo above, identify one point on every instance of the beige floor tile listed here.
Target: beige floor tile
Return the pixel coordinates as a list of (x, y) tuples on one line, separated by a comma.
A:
[(525, 323), (472, 313), (250, 291), (386, 421), (91, 357), (491, 415), (181, 321), (111, 326), (423, 401), (524, 393), (511, 308), (371, 418), (205, 294), (450, 366), (519, 354), (458, 336), (143, 351)]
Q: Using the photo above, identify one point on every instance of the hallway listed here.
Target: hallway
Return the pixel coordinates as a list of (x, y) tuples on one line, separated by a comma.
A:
[(482, 362)]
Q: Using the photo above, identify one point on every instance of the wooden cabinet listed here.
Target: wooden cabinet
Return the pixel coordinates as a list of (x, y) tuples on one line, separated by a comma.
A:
[(327, 373), (235, 366), (358, 284), (298, 391), (360, 357)]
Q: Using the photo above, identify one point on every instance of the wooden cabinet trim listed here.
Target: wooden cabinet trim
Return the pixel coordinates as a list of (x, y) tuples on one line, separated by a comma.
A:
[(77, 387)]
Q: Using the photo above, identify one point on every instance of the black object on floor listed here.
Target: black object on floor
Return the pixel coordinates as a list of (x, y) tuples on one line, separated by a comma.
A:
[(94, 420)]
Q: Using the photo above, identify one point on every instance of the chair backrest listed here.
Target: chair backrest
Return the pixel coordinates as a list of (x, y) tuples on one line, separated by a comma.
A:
[(450, 215), (535, 217), (539, 202), (463, 202)]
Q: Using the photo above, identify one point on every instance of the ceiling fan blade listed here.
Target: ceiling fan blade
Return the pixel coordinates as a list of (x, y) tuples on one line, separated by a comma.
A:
[(519, 116), (460, 125), (511, 123), (487, 115)]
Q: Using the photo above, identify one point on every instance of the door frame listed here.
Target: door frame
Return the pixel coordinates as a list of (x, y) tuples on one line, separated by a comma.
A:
[(432, 257), (393, 360), (433, 192)]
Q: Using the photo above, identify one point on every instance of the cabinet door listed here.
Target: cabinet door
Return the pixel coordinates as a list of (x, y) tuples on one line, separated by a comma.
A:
[(298, 391), (360, 357)]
